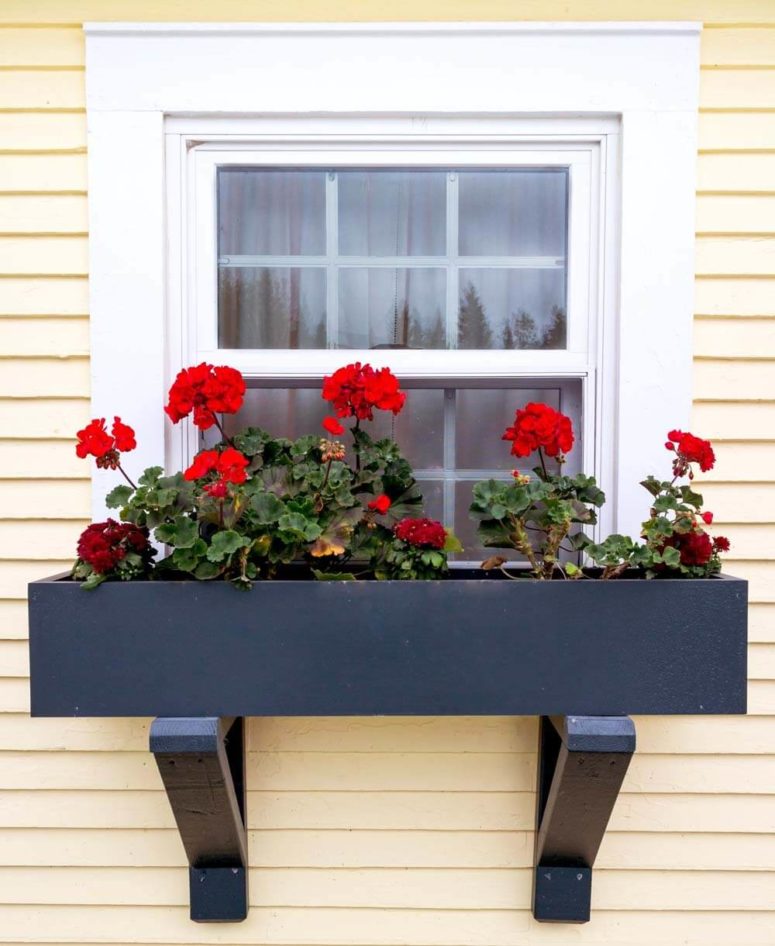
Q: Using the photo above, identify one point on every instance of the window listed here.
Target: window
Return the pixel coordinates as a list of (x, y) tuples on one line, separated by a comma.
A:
[(471, 280)]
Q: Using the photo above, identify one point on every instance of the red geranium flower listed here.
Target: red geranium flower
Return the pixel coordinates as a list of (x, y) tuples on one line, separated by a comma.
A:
[(695, 548), (104, 544), (123, 435), (204, 462), (230, 465), (381, 504), (690, 449), (424, 533), (94, 440), (206, 391), (355, 390), (539, 426), (218, 490), (721, 544), (707, 518), (332, 425)]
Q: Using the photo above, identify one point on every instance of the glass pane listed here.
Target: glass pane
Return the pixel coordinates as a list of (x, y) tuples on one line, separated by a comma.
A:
[(478, 444), (433, 499), (512, 308), (513, 212), (418, 429), (271, 212), (392, 213), (262, 307), (383, 308)]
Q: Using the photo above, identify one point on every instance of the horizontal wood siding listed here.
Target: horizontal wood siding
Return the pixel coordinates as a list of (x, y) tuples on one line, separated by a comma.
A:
[(378, 831)]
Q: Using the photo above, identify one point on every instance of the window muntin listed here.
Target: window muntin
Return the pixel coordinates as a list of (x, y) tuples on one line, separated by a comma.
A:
[(405, 258)]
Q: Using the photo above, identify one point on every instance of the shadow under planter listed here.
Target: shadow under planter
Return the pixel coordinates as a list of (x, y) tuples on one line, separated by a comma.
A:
[(582, 655)]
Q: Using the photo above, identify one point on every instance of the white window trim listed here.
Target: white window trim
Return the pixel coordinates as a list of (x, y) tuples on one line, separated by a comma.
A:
[(145, 81)]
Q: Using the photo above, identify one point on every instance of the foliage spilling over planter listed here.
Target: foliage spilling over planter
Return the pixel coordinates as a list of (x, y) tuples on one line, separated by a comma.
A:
[(253, 504)]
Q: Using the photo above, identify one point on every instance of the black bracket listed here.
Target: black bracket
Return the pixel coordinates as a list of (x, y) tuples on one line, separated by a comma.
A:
[(202, 765), (582, 761)]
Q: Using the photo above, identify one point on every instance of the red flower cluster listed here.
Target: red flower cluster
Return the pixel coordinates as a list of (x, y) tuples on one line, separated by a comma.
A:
[(356, 390), (538, 426), (689, 449), (332, 426), (696, 548), (425, 533), (104, 544), (94, 440), (381, 504), (206, 391), (230, 465)]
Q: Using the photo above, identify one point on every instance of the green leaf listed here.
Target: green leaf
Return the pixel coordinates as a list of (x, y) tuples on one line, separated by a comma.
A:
[(690, 497), (224, 544), (187, 559), (207, 570), (119, 496), (182, 533), (267, 508), (332, 576), (150, 476), (652, 484), (92, 582), (671, 557), (452, 543)]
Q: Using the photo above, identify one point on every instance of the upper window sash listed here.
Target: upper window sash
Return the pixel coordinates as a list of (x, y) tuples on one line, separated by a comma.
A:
[(582, 162)]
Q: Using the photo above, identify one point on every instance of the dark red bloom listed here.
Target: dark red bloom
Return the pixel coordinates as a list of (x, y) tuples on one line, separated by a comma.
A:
[(355, 390), (538, 425), (332, 425), (721, 544), (424, 533), (104, 544), (206, 391), (690, 449), (381, 504), (695, 548), (94, 440)]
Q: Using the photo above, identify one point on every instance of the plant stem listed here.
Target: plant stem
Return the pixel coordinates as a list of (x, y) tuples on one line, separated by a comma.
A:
[(356, 445), (222, 432), (126, 477), (543, 462)]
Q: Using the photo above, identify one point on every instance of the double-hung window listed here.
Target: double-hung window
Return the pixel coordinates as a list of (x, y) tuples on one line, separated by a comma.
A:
[(468, 270)]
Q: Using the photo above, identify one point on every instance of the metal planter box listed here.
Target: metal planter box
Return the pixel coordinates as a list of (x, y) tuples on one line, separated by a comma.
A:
[(463, 646)]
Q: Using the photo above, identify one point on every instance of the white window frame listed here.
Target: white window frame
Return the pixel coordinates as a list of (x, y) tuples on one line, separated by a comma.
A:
[(626, 94)]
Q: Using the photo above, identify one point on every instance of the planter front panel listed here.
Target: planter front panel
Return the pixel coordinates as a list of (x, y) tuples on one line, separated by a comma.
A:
[(455, 647)]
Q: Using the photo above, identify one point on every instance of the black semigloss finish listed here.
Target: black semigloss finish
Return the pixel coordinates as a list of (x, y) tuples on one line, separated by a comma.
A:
[(462, 646)]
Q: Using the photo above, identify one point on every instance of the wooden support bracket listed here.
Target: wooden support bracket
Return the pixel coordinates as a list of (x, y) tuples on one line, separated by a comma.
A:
[(202, 765), (582, 761)]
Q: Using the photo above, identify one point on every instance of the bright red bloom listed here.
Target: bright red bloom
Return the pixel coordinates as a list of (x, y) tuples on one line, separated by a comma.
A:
[(232, 464), (204, 463), (218, 490), (355, 390), (696, 548), (721, 544), (332, 425), (104, 544), (123, 435), (539, 426), (381, 504), (206, 391), (690, 449), (707, 518), (425, 533), (94, 440)]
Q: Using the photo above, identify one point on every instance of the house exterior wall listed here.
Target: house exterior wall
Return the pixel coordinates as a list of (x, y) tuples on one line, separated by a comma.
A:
[(376, 831)]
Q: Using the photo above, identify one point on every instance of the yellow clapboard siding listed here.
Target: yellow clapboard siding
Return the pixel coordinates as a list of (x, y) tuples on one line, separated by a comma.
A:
[(750, 542), (761, 661), (375, 927), (761, 698), (743, 463), (737, 88), (14, 695), (722, 213), (39, 173), (760, 577), (13, 621), (39, 539), (66, 255), (736, 256), (35, 131), (731, 502), (750, 422), (69, 501), (36, 338), (14, 659), (386, 888), (751, 46), (62, 46), (736, 173), (42, 419), (724, 131), (30, 296), (64, 377), (53, 213), (761, 623), (738, 380), (729, 338), (15, 575), (36, 459), (30, 89), (734, 297)]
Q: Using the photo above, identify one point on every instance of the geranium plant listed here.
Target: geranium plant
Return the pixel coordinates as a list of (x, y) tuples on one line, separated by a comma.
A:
[(254, 504)]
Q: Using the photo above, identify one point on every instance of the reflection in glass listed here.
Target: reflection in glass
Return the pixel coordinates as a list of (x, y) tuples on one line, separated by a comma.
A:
[(392, 213), (392, 307), (262, 307), (265, 212), (512, 308), (513, 212)]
